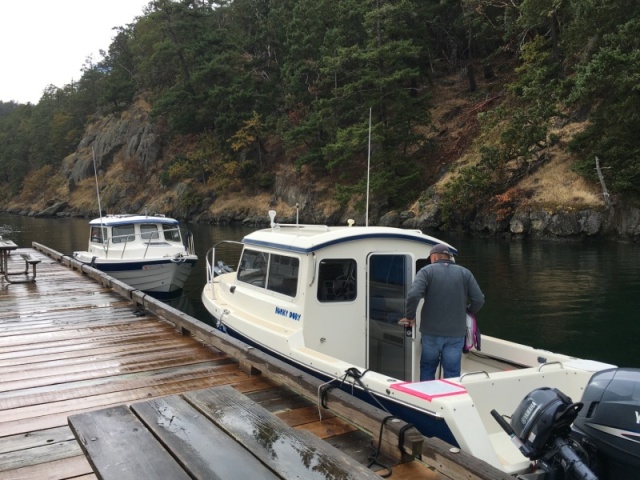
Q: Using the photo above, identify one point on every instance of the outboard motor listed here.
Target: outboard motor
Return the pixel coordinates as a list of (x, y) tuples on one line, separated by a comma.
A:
[(540, 427), (608, 427), (597, 439)]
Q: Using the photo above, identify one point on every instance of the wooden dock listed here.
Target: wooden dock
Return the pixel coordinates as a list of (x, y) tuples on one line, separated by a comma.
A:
[(77, 341)]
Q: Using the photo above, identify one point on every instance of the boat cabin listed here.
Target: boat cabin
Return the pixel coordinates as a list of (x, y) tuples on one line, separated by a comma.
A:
[(133, 236), (337, 290)]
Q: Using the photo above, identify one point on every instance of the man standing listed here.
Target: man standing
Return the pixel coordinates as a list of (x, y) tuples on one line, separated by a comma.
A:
[(449, 292)]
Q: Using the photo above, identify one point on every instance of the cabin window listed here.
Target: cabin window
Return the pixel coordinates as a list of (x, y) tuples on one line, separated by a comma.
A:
[(171, 232), (98, 234), (282, 271), (123, 234), (253, 267), (149, 231), (283, 275), (337, 280), (422, 262)]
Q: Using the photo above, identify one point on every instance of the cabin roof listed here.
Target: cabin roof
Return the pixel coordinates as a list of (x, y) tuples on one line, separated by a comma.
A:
[(111, 220), (310, 238)]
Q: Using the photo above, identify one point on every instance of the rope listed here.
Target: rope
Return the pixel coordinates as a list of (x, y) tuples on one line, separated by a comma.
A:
[(356, 375), (373, 457)]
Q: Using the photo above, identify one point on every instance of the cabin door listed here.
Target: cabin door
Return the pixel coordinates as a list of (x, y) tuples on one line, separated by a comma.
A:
[(390, 351)]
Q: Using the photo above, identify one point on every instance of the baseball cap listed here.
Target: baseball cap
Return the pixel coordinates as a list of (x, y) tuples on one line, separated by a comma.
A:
[(440, 248)]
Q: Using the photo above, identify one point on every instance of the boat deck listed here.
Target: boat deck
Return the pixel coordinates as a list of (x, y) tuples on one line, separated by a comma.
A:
[(69, 345)]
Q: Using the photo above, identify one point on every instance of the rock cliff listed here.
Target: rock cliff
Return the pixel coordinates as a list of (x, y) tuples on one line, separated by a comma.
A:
[(130, 155)]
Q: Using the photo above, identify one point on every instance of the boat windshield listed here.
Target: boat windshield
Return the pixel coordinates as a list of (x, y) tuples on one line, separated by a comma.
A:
[(279, 273), (253, 267), (149, 231), (171, 232), (123, 233), (98, 234)]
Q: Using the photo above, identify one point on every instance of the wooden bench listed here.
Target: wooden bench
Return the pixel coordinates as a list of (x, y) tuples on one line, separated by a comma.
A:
[(216, 433), (28, 261)]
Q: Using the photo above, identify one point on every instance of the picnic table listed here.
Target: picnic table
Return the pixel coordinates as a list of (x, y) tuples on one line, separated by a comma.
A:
[(6, 247)]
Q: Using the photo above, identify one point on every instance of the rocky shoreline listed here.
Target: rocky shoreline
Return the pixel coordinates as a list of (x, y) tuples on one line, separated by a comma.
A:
[(570, 224)]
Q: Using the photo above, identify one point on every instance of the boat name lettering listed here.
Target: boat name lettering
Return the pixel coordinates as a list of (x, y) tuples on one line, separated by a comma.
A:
[(286, 313), (637, 417)]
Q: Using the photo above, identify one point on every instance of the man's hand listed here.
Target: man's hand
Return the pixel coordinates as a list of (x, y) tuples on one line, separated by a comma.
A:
[(407, 322)]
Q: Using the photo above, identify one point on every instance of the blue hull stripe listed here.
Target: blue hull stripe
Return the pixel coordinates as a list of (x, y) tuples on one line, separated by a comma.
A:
[(130, 266)]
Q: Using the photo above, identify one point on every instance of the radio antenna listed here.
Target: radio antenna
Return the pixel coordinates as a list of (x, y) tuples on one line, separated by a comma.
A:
[(366, 215), (95, 171)]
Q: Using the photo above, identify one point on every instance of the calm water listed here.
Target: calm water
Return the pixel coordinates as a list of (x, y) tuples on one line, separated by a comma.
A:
[(578, 299)]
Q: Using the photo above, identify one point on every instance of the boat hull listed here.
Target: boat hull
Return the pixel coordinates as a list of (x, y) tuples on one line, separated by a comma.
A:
[(153, 276)]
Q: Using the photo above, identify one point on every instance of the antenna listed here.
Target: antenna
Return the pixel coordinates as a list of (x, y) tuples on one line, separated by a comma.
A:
[(95, 171), (366, 215)]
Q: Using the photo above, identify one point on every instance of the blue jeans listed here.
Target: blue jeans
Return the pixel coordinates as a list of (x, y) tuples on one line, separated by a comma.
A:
[(445, 350)]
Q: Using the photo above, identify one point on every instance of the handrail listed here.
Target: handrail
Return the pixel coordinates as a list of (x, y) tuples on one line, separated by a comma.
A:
[(550, 363), (479, 372), (324, 228), (212, 251)]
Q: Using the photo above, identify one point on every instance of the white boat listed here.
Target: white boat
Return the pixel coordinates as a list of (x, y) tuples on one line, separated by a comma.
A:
[(328, 299), (147, 252)]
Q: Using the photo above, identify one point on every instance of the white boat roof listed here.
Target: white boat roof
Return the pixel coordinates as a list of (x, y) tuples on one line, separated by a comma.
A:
[(310, 238), (111, 220)]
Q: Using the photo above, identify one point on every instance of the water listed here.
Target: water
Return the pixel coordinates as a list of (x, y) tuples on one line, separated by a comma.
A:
[(573, 298)]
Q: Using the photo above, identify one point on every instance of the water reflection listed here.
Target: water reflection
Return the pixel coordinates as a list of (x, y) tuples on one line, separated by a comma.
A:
[(573, 298), (579, 299)]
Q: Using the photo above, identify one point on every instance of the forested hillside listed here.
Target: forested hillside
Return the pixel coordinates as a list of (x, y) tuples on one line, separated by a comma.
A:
[(238, 91)]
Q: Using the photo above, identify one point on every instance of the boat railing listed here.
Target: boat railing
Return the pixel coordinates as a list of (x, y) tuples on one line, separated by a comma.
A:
[(126, 243), (127, 238), (210, 258), (301, 226), (190, 246)]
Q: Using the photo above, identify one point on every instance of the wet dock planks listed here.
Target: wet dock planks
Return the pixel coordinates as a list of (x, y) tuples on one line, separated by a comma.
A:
[(71, 344)]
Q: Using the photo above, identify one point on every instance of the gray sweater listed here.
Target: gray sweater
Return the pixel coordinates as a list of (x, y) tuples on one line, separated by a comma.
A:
[(449, 291)]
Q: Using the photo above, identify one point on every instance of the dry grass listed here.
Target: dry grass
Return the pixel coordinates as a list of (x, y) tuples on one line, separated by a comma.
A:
[(247, 204), (555, 183)]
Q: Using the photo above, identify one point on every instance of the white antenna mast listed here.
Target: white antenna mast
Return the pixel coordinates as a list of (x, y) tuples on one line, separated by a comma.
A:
[(366, 215), (95, 171)]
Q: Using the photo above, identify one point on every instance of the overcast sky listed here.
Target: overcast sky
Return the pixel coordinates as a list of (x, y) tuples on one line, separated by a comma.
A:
[(45, 42)]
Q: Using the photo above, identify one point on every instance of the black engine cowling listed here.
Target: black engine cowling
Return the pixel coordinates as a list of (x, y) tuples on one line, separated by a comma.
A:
[(545, 413), (597, 439), (608, 426)]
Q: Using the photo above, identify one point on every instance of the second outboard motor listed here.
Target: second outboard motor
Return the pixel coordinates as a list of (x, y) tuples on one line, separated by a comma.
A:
[(608, 427)]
